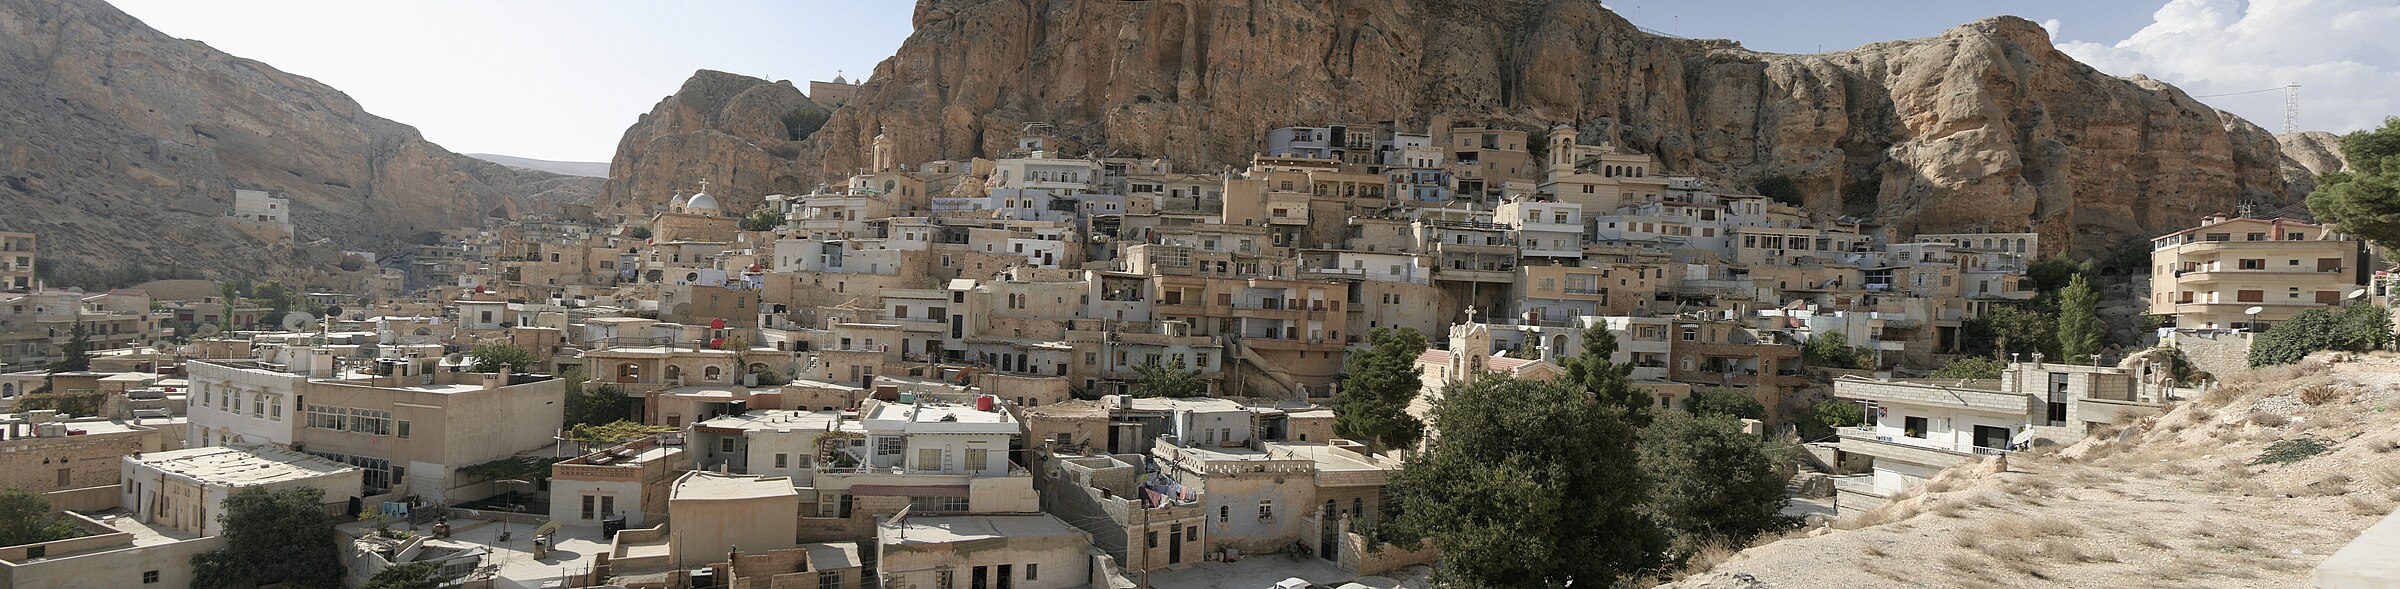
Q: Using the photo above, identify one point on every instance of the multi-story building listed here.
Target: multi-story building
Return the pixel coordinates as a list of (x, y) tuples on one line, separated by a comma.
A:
[(16, 261), (2249, 273)]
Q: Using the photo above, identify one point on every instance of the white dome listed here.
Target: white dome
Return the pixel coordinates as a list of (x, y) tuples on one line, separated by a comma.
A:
[(675, 202), (701, 201)]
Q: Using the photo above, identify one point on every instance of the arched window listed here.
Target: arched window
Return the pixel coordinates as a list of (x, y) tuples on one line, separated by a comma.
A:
[(2020, 245), (674, 372), (8, 389), (712, 373)]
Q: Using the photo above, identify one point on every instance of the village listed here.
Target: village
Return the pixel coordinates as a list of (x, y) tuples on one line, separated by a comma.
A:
[(1051, 370)]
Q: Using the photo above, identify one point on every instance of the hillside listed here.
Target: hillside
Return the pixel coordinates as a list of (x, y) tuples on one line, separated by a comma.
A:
[(2174, 500), (582, 169), (1985, 127), (122, 147)]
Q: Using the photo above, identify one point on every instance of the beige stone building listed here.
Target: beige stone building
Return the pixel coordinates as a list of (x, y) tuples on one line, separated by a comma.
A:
[(186, 489), (16, 261), (2210, 276)]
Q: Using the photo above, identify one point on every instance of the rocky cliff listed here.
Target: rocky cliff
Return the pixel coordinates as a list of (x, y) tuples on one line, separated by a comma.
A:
[(737, 132), (2308, 154), (1984, 127), (122, 147)]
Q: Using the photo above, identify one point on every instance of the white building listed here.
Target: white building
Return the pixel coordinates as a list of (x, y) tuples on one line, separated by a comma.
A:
[(1916, 428), (260, 206), (186, 489)]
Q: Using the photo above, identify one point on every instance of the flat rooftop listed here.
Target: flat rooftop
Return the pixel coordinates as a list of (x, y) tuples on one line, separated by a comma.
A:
[(935, 412), (242, 466), (784, 420), (1323, 455), (708, 485), (961, 528)]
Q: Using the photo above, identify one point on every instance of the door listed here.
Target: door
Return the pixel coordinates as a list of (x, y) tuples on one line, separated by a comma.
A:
[(1175, 545), (981, 579), (1004, 575)]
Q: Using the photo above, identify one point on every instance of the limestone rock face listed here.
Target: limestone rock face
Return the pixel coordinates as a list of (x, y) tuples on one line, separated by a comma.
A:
[(122, 147), (2307, 154), (1986, 126), (728, 129)]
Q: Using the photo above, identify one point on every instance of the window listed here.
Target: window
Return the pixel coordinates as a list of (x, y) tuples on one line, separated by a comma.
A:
[(149, 576), (1033, 571), (258, 405), (782, 460), (1224, 513), (829, 580), (929, 459), (1913, 427), (977, 458), (400, 428), (937, 504), (2254, 264), (2255, 236), (1153, 538), (1266, 509), (589, 503), (2250, 296), (725, 445)]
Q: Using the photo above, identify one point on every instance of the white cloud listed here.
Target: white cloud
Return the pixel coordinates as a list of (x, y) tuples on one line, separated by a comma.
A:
[(2345, 54), (2054, 27)]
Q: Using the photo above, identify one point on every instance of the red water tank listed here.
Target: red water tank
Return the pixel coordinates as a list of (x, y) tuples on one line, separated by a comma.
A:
[(984, 403), (717, 323), (716, 344)]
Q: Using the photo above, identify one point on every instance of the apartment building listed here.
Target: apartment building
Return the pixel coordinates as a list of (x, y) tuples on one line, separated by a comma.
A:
[(17, 253), (2212, 276)]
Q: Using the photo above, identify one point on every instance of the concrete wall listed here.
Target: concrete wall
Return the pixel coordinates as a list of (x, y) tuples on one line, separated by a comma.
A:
[(111, 569), (2220, 354), (35, 464)]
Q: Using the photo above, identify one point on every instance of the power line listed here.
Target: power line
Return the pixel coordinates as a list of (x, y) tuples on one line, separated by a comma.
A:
[(2244, 92)]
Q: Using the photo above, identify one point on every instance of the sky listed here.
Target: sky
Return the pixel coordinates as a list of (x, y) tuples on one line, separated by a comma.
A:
[(561, 80)]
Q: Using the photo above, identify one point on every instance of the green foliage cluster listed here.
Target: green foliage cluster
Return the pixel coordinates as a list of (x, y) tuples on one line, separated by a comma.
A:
[(272, 536), (26, 518), (2357, 327), (413, 575), (2079, 330), (78, 351), (763, 219), (1725, 402), (1819, 421), (1832, 349), (2292, 450), (802, 122), (1377, 385), (492, 357), (1969, 367), (526, 468), (2013, 330), (613, 433), (1781, 189), (639, 233), (768, 377), (2365, 199), (1577, 482), (85, 403), (1155, 380), (591, 403)]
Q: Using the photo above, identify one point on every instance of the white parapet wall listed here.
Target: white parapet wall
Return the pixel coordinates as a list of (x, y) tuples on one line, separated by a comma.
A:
[(2371, 561)]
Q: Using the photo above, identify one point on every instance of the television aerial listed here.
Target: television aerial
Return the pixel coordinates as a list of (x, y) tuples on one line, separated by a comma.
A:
[(296, 321)]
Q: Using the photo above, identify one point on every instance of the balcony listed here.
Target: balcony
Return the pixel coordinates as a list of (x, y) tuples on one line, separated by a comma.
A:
[(1467, 275), (1907, 450), (2262, 275)]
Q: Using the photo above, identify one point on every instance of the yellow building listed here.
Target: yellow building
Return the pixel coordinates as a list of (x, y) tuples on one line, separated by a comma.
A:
[(2210, 276), (16, 261)]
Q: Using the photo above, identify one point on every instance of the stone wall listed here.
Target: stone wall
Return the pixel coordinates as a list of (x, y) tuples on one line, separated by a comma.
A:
[(2219, 354)]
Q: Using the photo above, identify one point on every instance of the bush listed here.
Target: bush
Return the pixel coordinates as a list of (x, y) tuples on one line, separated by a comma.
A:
[(1725, 402), (2292, 450), (494, 356), (1819, 421), (639, 233), (1832, 350)]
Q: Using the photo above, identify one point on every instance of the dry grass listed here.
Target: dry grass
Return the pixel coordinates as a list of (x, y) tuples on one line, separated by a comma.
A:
[(2028, 528), (2389, 477), (1948, 508), (2145, 539), (2365, 505), (1709, 556), (2265, 419), (1961, 562), (2231, 543), (2319, 394), (1879, 516)]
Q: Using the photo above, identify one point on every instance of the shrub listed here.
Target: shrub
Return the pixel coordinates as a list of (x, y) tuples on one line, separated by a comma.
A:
[(2292, 450), (1975, 367)]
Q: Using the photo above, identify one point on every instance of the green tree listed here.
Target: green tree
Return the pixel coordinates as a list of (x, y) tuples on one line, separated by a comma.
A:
[(1832, 350), (1606, 380), (594, 403), (1781, 189), (2056, 272), (2017, 330), (2365, 200), (1725, 402), (639, 233), (612, 433), (2079, 330), (494, 356), (1971, 367), (279, 300), (1819, 421), (78, 350), (414, 575), (1531, 484), (26, 518), (763, 219), (2365, 326), (1377, 385), (272, 536), (2296, 338), (802, 122), (1711, 483), (768, 377), (1154, 380)]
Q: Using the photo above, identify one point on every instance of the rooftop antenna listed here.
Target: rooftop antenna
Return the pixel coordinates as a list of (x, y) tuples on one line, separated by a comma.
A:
[(2291, 107)]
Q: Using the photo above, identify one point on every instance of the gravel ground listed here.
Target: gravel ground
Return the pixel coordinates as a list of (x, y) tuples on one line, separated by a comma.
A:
[(2177, 504)]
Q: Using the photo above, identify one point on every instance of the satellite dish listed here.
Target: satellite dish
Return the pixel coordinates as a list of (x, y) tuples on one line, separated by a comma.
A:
[(296, 321), (2357, 294), (454, 358), (2254, 310), (162, 345), (368, 350), (333, 311), (206, 330)]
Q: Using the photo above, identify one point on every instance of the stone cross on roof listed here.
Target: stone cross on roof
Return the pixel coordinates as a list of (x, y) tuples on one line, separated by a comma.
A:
[(1470, 313)]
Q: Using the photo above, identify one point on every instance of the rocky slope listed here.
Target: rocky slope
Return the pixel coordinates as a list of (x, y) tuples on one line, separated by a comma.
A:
[(122, 147), (732, 130), (1984, 127), (2175, 500), (584, 169), (2307, 154)]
